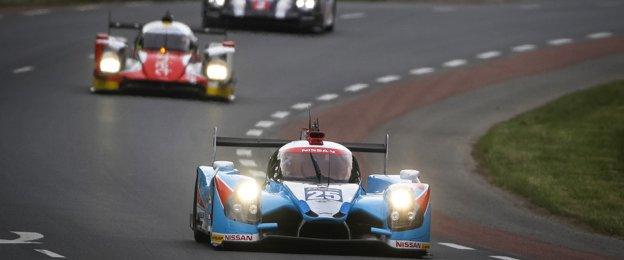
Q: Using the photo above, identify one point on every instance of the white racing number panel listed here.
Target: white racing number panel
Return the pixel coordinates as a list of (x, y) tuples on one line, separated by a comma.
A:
[(323, 193), (324, 200)]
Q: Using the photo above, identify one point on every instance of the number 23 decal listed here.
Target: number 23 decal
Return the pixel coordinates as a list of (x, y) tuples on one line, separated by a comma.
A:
[(318, 193)]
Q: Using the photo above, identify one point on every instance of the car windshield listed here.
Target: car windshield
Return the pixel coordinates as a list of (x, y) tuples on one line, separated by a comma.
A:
[(303, 164), (171, 41)]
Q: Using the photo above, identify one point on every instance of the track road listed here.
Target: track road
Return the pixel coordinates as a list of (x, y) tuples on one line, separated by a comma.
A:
[(110, 176)]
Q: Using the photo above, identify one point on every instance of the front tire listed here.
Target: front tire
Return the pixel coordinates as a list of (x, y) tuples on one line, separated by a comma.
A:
[(200, 237), (330, 20)]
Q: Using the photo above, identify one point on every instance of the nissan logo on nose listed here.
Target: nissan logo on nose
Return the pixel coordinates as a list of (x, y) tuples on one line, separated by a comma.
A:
[(317, 150)]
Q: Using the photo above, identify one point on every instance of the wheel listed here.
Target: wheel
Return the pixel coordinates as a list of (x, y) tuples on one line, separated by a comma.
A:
[(200, 237), (330, 18), (211, 22)]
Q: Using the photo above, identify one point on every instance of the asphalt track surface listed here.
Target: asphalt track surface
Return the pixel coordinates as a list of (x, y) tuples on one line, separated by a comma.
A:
[(110, 176)]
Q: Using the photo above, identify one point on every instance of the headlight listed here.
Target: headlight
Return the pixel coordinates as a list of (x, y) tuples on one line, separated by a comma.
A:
[(401, 199), (217, 70), (305, 4), (403, 211), (247, 192), (110, 63), (244, 206), (217, 3)]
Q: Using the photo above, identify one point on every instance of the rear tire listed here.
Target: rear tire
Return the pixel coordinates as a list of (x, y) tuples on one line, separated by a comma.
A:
[(200, 237)]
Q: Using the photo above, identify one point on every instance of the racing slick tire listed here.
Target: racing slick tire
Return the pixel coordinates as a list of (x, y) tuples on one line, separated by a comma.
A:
[(325, 21), (208, 22), (331, 21), (200, 237)]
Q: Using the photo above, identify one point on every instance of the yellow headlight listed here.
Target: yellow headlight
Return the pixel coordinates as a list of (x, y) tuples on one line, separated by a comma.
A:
[(401, 199), (217, 70), (110, 63), (248, 192)]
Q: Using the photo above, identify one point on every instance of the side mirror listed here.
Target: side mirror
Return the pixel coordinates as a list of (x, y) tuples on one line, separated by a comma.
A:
[(222, 165), (229, 43), (409, 174)]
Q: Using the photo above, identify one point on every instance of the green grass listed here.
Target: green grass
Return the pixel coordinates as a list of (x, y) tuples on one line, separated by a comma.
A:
[(567, 157)]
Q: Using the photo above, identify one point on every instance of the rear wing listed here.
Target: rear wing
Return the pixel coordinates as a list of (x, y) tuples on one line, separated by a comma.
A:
[(277, 143), (122, 25), (138, 26)]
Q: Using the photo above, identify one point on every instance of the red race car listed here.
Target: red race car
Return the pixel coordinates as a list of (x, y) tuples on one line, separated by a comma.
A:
[(165, 56)]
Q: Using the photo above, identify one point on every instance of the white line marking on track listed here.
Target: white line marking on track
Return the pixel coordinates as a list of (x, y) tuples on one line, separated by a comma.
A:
[(280, 114), (350, 16), (84, 8), (488, 55), (36, 12), (301, 106), (523, 48), (23, 238), (327, 97), (265, 123), (502, 257), (599, 35), (421, 71), (456, 246), (256, 173), (254, 132), (560, 41), (91, 56), (248, 162), (243, 152), (454, 63), (23, 69), (49, 253), (356, 87), (388, 78), (136, 4)]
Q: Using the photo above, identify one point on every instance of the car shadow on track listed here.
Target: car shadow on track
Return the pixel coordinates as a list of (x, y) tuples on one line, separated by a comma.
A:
[(154, 93), (270, 27)]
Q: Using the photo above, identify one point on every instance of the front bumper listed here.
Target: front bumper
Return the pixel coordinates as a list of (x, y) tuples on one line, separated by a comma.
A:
[(421, 247), (293, 15), (213, 89)]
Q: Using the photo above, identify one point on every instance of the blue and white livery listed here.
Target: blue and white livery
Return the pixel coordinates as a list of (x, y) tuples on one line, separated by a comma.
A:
[(312, 190)]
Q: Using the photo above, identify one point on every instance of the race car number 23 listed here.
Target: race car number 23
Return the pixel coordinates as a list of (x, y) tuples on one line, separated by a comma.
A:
[(322, 193)]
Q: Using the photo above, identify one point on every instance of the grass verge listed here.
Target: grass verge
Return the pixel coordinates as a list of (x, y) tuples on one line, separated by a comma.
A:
[(567, 157)]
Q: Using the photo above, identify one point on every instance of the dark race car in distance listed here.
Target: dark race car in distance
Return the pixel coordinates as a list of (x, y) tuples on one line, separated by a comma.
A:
[(312, 15)]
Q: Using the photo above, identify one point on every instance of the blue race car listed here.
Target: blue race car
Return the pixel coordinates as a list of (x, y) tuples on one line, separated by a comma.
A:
[(312, 190)]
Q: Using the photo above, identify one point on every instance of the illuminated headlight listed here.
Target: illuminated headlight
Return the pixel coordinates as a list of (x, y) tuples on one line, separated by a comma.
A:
[(244, 205), (305, 4), (217, 3), (217, 70), (110, 63), (247, 192), (401, 199), (403, 209)]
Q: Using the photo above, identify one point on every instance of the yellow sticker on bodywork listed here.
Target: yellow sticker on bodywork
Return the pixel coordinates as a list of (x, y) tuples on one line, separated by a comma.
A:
[(216, 239)]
